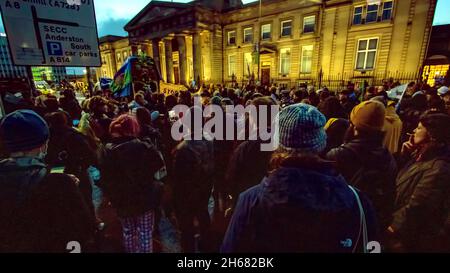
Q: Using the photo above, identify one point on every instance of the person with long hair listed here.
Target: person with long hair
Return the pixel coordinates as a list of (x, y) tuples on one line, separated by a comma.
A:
[(303, 204), (421, 216)]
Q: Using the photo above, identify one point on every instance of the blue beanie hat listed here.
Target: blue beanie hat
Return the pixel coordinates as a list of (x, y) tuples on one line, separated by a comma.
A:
[(23, 130), (301, 128)]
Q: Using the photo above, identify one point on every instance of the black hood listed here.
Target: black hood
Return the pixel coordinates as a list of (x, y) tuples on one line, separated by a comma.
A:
[(19, 177)]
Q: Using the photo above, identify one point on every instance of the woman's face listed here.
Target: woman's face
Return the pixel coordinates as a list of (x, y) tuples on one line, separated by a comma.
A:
[(421, 135), (446, 98)]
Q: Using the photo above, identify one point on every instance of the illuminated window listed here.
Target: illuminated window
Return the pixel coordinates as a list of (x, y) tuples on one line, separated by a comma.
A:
[(372, 13), (307, 53), (387, 10), (285, 61), (119, 58), (232, 65), (286, 28), (367, 50), (248, 64), (309, 24), (232, 37), (266, 31), (357, 15), (248, 35), (434, 73)]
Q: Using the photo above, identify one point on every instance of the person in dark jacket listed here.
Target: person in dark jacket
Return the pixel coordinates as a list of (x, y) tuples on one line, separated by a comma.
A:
[(128, 166), (147, 130), (192, 182), (152, 135), (40, 211), (240, 169), (421, 220), (248, 164), (70, 150), (363, 160), (303, 205), (69, 103)]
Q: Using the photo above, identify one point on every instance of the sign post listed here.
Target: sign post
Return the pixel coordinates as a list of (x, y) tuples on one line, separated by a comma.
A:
[(2, 109), (51, 33), (31, 80), (89, 81)]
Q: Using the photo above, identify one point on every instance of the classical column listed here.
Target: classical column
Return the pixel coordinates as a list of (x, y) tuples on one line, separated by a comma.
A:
[(182, 58), (113, 64), (197, 52), (155, 49), (169, 61)]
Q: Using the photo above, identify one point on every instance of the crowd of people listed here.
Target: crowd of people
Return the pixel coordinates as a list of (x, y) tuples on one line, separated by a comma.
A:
[(352, 166)]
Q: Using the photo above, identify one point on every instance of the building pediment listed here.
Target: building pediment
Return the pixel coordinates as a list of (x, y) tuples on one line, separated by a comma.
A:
[(155, 11)]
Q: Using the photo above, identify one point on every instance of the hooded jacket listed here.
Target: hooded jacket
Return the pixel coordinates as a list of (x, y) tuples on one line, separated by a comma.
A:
[(40, 212), (298, 208)]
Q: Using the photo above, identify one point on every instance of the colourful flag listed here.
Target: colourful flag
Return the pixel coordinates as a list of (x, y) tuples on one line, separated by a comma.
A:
[(123, 80)]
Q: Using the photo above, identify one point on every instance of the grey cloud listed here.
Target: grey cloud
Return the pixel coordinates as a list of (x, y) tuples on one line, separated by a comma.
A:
[(112, 27)]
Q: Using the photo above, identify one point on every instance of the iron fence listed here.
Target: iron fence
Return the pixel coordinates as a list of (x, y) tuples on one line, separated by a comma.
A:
[(339, 82)]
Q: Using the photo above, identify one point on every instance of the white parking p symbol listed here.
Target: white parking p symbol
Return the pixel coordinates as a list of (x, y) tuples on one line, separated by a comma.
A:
[(54, 48)]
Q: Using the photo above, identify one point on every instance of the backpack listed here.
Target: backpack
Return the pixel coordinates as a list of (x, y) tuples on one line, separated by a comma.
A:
[(115, 183), (377, 185)]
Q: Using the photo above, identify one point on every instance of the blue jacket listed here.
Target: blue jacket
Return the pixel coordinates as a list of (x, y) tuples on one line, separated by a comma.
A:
[(298, 208)]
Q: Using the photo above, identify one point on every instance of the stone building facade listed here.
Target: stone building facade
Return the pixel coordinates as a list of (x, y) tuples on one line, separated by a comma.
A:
[(284, 41), (114, 51)]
